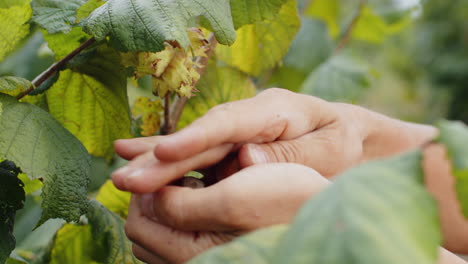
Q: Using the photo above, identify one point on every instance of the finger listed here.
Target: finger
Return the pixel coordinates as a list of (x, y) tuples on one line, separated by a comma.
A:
[(258, 196), (130, 148), (274, 114), (172, 245), (321, 150), (146, 175), (146, 256)]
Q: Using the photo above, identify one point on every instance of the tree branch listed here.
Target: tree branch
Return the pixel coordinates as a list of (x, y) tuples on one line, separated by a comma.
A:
[(180, 102), (52, 70), (168, 125), (346, 36)]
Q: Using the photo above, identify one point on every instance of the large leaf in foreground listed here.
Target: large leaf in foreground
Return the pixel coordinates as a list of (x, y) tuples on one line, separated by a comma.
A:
[(144, 25), (14, 26), (376, 213), (90, 100), (42, 148), (11, 200), (246, 12), (56, 15), (219, 84), (256, 247), (262, 45), (454, 135), (341, 78)]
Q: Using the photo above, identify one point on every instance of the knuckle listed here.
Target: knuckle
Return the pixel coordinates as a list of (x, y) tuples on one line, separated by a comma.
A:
[(168, 209), (130, 231), (287, 152)]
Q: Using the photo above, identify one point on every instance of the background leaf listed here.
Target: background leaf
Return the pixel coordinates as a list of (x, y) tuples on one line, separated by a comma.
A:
[(42, 148), (144, 25), (262, 45), (378, 212), (14, 27), (113, 199), (338, 79), (55, 15), (454, 135), (90, 100), (14, 85), (256, 247), (11, 200), (219, 84), (245, 12)]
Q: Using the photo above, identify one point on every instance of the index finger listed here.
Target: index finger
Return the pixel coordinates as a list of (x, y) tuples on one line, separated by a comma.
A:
[(272, 115)]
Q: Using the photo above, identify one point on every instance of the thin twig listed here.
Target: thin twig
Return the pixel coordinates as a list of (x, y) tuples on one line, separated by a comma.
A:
[(180, 102), (50, 72), (168, 125), (346, 36)]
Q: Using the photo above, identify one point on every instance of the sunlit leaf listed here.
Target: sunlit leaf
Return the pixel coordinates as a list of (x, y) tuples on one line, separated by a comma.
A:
[(256, 247), (14, 27), (90, 100), (14, 85), (326, 11), (219, 84), (85, 10), (378, 212), (113, 199), (11, 200), (372, 28), (341, 78), (55, 15), (144, 25), (42, 148), (454, 135), (64, 43), (262, 45), (73, 245)]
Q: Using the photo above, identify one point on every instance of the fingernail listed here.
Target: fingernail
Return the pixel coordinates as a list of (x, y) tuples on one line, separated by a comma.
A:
[(257, 154), (136, 173), (122, 170), (147, 206)]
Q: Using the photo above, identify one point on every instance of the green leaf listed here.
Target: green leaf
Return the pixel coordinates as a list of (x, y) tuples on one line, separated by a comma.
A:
[(14, 85), (454, 135), (245, 12), (256, 247), (10, 3), (30, 186), (55, 15), (11, 200), (108, 231), (326, 11), (42, 148), (144, 25), (14, 27), (64, 43), (219, 84), (90, 100), (102, 240), (378, 212), (113, 199), (262, 45), (338, 79), (73, 244), (372, 28), (85, 10)]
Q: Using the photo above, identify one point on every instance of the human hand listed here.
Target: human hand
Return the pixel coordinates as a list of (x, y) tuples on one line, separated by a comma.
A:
[(275, 126), (177, 223)]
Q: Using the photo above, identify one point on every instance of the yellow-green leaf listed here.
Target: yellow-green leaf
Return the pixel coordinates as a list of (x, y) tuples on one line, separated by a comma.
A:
[(113, 199), (374, 29), (219, 84), (326, 11), (246, 12), (14, 27), (262, 45), (64, 43), (91, 102), (13, 85)]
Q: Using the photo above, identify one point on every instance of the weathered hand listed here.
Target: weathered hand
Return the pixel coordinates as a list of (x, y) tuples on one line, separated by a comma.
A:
[(177, 223)]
